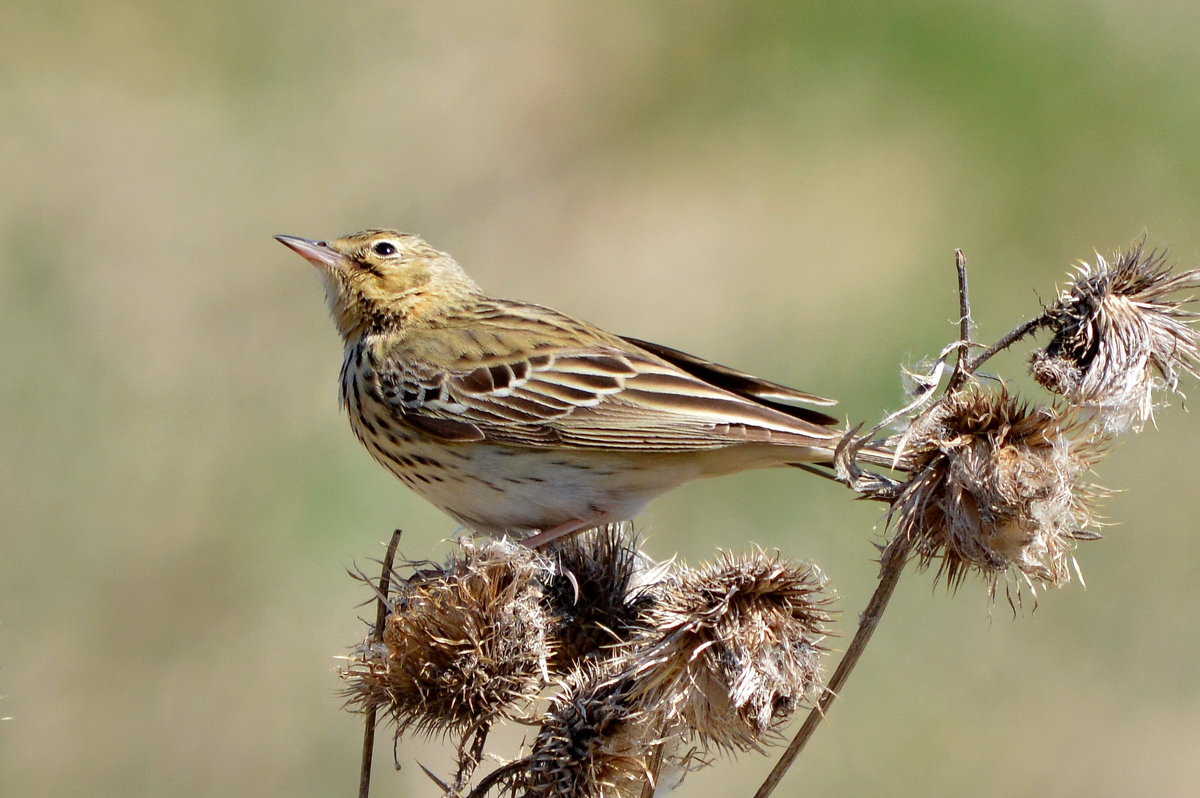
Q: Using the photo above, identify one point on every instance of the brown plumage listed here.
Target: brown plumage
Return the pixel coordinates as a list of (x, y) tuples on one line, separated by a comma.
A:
[(513, 417)]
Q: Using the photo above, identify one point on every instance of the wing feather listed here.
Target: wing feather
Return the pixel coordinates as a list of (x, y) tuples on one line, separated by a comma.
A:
[(537, 378)]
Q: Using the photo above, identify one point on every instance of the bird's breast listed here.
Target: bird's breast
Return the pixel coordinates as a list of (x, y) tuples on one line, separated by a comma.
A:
[(494, 488)]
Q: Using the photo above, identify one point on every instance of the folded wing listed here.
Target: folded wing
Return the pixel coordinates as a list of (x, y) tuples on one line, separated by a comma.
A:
[(541, 379)]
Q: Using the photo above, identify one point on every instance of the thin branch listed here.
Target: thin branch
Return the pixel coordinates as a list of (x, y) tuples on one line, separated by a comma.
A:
[(469, 758), (964, 367), (964, 301), (381, 611), (1004, 343), (895, 556), (655, 766), (964, 322), (496, 776)]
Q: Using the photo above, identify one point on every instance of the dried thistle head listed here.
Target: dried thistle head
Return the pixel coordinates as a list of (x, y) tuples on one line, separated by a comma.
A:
[(596, 739), (995, 484), (596, 592), (461, 643), (1117, 337), (735, 647)]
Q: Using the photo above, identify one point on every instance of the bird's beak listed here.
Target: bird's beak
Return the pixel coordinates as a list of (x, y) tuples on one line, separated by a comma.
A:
[(317, 253)]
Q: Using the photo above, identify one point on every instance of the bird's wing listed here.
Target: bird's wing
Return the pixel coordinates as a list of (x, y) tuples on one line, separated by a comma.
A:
[(772, 394), (528, 376)]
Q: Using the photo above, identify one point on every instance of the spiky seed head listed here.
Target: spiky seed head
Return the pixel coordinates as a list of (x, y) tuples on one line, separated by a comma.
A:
[(462, 643), (596, 592), (998, 484), (735, 647), (1118, 337), (595, 740)]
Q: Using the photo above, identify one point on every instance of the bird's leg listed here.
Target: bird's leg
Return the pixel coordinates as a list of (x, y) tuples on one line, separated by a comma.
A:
[(548, 536)]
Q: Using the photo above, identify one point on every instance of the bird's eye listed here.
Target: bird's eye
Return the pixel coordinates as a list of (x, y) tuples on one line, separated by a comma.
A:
[(384, 248)]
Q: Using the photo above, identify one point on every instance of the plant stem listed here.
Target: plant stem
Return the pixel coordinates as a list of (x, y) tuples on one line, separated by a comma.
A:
[(964, 322), (895, 557), (1006, 342), (385, 586)]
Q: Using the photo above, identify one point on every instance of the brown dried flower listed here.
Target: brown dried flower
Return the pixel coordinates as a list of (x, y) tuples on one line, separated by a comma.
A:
[(596, 592), (997, 484), (665, 660), (735, 647), (1117, 337), (461, 643), (596, 740)]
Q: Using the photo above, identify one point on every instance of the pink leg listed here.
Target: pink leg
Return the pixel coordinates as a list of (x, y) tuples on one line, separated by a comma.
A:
[(547, 536)]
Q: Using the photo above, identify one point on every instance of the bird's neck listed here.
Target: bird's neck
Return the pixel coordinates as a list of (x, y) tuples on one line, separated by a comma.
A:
[(415, 309)]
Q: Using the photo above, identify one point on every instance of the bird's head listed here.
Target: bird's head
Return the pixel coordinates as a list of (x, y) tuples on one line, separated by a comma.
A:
[(382, 279)]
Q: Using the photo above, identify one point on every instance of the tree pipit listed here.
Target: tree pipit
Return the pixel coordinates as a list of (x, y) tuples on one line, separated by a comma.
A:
[(515, 418)]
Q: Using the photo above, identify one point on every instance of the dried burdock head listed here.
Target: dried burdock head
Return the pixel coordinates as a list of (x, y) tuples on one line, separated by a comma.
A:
[(735, 647), (596, 591), (995, 484), (461, 643), (1117, 337), (595, 740)]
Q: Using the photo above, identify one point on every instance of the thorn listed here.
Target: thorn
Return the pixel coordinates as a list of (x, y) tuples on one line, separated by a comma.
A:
[(433, 777)]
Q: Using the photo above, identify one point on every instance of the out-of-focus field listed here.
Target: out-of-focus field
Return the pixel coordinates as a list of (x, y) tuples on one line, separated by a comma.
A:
[(779, 190)]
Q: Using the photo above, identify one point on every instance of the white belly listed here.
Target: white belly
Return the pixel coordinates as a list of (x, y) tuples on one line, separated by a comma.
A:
[(493, 489)]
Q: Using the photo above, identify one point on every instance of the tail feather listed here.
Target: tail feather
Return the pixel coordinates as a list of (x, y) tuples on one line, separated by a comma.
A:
[(769, 394)]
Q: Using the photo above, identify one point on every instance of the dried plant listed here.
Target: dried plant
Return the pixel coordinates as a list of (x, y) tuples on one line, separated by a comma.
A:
[(461, 643), (996, 484), (596, 591), (596, 740), (661, 655), (734, 647), (1118, 337)]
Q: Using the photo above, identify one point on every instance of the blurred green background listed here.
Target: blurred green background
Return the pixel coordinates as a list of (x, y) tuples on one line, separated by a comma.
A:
[(776, 188)]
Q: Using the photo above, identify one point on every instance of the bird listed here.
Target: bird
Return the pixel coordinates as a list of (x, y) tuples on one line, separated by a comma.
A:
[(516, 419)]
